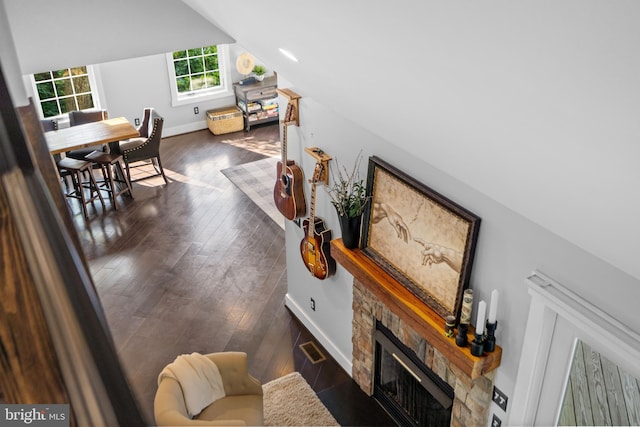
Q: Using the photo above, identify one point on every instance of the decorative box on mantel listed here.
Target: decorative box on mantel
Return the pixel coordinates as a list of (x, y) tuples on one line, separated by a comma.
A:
[(413, 311)]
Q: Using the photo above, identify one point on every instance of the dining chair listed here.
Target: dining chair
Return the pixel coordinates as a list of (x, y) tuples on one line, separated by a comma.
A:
[(146, 147), (80, 118), (49, 125)]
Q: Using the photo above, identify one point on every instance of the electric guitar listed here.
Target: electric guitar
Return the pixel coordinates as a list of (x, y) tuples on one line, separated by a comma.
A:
[(315, 246), (288, 192)]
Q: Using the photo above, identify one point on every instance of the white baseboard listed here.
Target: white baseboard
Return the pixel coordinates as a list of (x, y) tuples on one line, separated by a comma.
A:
[(186, 128), (339, 357)]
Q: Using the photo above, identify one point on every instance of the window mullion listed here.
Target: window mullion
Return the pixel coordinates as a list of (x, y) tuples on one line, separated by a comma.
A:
[(189, 72), (55, 92)]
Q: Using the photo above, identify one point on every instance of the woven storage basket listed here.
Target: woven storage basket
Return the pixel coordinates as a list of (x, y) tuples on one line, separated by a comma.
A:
[(225, 120)]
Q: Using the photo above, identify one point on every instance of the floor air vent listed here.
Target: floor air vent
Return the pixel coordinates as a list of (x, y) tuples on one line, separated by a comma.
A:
[(312, 352)]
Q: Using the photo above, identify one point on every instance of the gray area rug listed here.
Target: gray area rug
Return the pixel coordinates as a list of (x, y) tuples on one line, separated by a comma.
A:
[(256, 180), (290, 401)]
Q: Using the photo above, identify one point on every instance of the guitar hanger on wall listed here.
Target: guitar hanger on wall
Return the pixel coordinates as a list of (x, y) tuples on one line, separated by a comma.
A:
[(292, 115), (321, 157)]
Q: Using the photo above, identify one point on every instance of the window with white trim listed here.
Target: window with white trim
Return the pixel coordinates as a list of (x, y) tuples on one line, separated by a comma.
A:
[(61, 91), (199, 73)]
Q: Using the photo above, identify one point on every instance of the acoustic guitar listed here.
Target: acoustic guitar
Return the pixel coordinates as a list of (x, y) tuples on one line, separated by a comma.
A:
[(315, 246), (288, 192)]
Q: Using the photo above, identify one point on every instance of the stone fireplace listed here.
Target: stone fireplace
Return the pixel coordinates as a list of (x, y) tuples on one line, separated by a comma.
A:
[(378, 297), (472, 397)]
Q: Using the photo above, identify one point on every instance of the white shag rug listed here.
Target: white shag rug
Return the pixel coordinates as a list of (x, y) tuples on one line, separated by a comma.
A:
[(290, 401)]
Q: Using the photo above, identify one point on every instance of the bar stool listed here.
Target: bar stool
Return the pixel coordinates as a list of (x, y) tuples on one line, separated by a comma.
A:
[(76, 168), (110, 182)]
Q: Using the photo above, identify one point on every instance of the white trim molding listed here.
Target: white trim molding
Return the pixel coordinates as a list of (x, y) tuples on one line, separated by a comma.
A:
[(329, 345), (557, 319), (185, 128), (199, 96)]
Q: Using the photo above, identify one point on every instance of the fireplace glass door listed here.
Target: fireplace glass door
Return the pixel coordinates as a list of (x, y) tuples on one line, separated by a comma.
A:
[(406, 388)]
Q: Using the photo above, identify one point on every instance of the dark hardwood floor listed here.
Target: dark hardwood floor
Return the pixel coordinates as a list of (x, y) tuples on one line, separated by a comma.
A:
[(195, 266)]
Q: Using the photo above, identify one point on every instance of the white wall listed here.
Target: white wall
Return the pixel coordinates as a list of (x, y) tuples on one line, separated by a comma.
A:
[(131, 85), (342, 140), (509, 248), (125, 41), (10, 68), (127, 86), (484, 91)]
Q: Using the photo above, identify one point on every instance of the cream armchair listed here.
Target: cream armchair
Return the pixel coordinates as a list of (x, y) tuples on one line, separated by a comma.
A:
[(242, 405)]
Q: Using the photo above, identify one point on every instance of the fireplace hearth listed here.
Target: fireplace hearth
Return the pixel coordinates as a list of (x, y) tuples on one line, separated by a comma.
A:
[(405, 387)]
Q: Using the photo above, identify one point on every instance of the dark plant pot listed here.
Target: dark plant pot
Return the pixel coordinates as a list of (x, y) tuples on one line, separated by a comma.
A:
[(350, 227)]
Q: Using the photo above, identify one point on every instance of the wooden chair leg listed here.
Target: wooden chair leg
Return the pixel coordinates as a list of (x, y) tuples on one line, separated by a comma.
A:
[(161, 170), (126, 165), (112, 186), (125, 178), (93, 187), (80, 192)]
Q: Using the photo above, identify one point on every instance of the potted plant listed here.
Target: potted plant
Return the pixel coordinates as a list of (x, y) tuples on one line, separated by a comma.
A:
[(259, 71), (349, 196)]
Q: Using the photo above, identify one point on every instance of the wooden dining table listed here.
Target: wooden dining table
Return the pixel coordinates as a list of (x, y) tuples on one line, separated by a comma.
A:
[(90, 134)]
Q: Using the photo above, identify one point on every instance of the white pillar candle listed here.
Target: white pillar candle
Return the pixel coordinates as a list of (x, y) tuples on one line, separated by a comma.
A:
[(493, 308), (482, 309)]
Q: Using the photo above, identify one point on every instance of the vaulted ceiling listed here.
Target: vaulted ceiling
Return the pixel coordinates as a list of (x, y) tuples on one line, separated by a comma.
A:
[(535, 104), (50, 35)]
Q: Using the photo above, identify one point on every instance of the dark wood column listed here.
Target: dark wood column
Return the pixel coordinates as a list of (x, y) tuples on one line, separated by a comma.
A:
[(43, 162), (55, 345), (28, 363)]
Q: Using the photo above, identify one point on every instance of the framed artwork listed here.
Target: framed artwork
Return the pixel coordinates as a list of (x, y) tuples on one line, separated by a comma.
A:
[(421, 238)]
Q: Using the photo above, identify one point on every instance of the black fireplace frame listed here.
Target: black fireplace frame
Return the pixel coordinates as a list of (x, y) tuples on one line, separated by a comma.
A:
[(438, 388)]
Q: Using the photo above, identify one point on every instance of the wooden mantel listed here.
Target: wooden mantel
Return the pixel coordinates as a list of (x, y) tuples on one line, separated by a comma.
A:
[(413, 311)]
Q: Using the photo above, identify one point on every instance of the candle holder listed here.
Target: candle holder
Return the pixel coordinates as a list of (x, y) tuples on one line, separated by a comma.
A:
[(477, 345), (461, 338), (449, 325), (467, 304), (490, 340)]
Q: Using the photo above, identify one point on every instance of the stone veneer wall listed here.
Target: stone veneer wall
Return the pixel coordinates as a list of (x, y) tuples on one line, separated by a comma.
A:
[(472, 397)]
